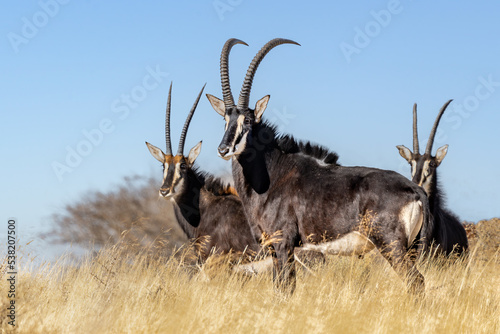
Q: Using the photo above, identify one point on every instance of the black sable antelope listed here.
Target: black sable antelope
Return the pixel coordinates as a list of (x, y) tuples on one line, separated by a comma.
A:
[(208, 211), (304, 201), (448, 234)]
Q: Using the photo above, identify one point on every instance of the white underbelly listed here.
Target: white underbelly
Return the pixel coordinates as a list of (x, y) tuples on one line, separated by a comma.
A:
[(353, 243)]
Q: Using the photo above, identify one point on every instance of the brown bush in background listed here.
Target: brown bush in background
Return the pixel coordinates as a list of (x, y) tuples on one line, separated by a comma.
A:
[(131, 213), (486, 236)]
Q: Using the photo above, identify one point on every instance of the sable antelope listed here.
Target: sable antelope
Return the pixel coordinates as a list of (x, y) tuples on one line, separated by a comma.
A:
[(325, 207), (208, 211), (448, 234)]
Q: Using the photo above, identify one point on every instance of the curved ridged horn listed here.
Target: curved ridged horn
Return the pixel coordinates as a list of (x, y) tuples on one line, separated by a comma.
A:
[(224, 70), (428, 149), (244, 98), (167, 123), (415, 131), (180, 150)]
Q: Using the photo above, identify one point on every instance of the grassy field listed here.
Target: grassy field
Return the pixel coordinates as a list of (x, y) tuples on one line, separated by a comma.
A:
[(117, 292)]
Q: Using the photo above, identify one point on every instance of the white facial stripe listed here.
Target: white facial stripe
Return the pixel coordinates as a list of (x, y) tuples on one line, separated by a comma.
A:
[(241, 146), (239, 128), (237, 148), (177, 181), (413, 168), (165, 171), (425, 181), (425, 173), (425, 168), (226, 117)]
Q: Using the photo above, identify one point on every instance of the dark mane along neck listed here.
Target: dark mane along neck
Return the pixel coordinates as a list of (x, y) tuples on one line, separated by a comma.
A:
[(253, 158), (216, 186), (187, 204), (290, 145), (263, 141), (287, 144), (436, 200), (449, 232), (265, 137)]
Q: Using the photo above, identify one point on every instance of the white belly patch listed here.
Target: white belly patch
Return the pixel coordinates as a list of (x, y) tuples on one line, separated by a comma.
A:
[(353, 243)]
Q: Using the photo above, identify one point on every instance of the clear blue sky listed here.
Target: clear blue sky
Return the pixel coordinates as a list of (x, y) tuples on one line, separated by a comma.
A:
[(71, 67)]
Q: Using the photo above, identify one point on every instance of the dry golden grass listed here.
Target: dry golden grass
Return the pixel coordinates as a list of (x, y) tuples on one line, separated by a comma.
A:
[(117, 292)]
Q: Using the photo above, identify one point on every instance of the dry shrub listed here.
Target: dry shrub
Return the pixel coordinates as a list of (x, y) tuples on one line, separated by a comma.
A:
[(485, 236), (130, 212)]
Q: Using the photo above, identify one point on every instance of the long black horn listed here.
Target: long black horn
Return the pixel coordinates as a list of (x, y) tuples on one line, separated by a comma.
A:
[(247, 84), (167, 123), (224, 70), (180, 150), (428, 149), (415, 131)]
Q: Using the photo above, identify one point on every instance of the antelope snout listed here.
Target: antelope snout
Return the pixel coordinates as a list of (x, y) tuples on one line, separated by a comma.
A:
[(223, 150)]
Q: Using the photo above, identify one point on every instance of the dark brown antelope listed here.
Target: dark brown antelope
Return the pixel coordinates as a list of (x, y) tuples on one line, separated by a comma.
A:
[(448, 234), (208, 211), (303, 200)]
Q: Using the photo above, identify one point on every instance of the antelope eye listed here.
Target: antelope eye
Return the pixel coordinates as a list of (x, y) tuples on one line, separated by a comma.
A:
[(432, 164), (247, 121), (183, 166)]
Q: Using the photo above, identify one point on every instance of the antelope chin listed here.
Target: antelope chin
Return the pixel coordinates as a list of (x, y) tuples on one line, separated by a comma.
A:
[(168, 197), (227, 156)]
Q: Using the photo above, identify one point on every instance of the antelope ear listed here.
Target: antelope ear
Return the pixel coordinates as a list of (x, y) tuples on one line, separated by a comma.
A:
[(217, 104), (260, 106), (441, 153), (405, 153), (193, 153), (156, 152)]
